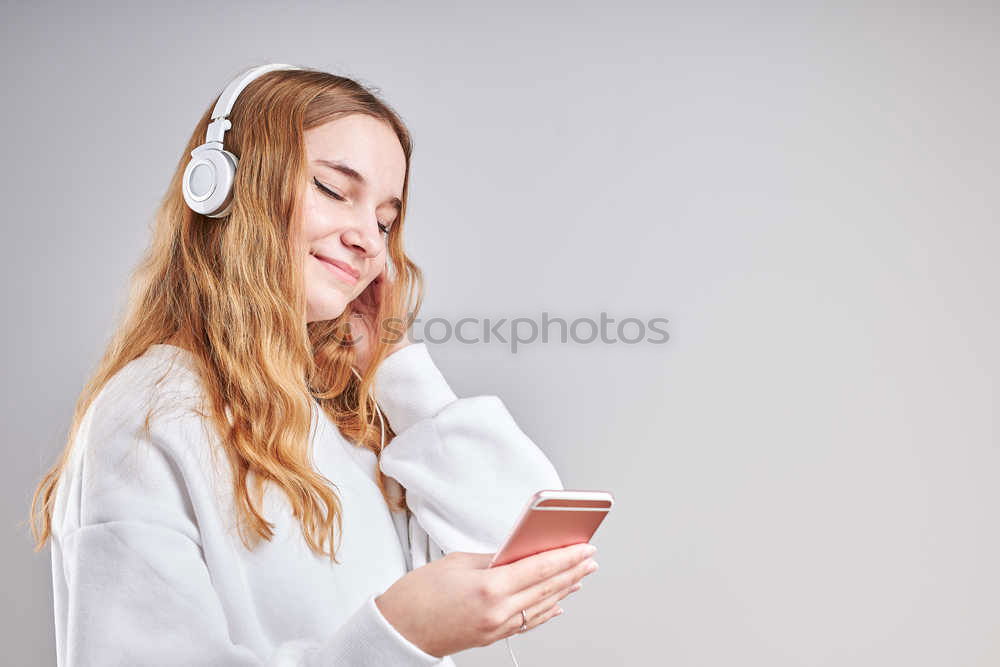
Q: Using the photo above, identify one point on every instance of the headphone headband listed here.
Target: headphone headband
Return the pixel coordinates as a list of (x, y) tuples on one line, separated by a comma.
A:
[(209, 176), (224, 106)]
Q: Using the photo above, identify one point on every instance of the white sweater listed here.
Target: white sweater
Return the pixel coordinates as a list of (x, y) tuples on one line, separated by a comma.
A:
[(147, 567)]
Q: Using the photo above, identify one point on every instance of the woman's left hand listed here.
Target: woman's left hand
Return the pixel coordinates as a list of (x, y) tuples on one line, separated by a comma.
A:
[(363, 326)]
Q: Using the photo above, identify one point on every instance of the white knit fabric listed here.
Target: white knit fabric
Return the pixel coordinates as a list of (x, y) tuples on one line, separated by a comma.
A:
[(148, 569)]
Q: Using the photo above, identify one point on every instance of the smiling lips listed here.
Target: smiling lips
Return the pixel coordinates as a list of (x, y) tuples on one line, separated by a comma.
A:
[(342, 270)]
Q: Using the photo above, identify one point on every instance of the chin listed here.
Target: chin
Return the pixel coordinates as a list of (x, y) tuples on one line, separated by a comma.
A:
[(327, 309)]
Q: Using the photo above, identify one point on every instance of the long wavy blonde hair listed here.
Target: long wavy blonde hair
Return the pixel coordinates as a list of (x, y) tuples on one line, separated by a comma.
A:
[(232, 290)]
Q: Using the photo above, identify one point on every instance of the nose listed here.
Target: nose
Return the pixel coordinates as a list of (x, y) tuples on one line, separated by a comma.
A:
[(363, 236)]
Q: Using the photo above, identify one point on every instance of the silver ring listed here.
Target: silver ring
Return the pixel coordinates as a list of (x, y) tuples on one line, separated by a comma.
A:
[(524, 622)]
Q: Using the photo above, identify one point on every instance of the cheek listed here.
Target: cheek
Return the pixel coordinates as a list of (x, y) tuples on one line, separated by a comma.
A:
[(376, 269), (325, 299), (316, 220), (313, 226)]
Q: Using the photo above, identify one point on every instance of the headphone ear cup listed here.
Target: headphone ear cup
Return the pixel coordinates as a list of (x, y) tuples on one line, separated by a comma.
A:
[(208, 181)]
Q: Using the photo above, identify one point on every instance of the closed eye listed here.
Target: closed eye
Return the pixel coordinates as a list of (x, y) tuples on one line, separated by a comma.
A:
[(327, 190), (330, 193)]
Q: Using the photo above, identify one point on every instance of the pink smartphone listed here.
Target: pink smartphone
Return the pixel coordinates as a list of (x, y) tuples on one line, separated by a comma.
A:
[(554, 518)]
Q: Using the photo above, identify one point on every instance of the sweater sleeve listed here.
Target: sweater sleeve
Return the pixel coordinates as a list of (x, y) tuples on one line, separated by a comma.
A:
[(133, 584), (467, 467)]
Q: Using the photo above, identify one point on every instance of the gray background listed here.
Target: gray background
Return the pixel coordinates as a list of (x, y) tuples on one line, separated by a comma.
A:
[(805, 474)]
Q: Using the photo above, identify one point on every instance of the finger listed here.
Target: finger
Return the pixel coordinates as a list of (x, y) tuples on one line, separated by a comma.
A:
[(528, 571), (357, 326), (513, 627), (371, 296), (383, 283), (553, 586), (368, 296), (540, 608), (377, 282)]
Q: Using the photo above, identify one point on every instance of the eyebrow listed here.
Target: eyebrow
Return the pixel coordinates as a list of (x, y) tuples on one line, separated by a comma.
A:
[(355, 175)]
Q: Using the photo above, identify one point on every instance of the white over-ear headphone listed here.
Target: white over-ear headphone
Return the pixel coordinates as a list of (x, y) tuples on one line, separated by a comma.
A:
[(208, 177)]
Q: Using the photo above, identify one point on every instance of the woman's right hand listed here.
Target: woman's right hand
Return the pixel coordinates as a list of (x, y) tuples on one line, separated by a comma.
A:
[(458, 602)]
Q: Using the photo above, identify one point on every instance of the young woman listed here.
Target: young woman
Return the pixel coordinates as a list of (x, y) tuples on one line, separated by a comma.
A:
[(229, 433)]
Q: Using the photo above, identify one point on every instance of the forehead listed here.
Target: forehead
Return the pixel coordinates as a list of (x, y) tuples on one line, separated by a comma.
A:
[(367, 144)]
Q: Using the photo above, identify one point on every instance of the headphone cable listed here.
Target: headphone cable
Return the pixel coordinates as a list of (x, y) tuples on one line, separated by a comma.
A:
[(511, 651)]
